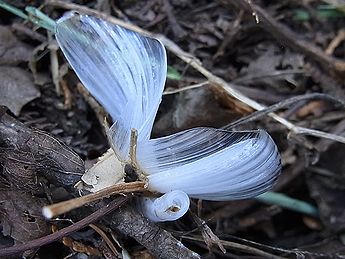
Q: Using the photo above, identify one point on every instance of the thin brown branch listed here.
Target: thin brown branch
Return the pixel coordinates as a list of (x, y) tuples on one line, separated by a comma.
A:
[(240, 247), (284, 104), (56, 209), (105, 238), (17, 249), (335, 42), (252, 247), (209, 237), (186, 88), (20, 27)]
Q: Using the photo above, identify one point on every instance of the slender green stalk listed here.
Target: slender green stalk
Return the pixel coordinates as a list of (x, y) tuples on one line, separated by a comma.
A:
[(13, 10), (42, 19), (288, 203), (34, 15)]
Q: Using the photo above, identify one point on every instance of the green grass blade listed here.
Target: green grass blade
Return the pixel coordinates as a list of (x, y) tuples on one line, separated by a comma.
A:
[(287, 202)]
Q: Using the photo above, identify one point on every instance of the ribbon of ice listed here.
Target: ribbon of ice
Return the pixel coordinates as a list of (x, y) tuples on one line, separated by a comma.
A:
[(126, 73)]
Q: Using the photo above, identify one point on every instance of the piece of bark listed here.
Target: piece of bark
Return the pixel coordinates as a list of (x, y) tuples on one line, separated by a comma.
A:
[(28, 153), (158, 241)]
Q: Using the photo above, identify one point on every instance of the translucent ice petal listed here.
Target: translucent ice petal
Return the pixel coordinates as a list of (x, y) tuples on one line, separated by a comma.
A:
[(122, 69), (211, 164)]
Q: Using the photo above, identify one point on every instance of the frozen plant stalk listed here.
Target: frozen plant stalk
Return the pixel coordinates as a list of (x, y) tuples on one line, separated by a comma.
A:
[(126, 73)]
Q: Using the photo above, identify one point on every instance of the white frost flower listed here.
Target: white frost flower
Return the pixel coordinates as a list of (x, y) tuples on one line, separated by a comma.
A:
[(126, 73)]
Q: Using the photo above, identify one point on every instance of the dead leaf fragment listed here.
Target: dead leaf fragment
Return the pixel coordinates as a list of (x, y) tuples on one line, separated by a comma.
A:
[(106, 172), (21, 216), (12, 50), (315, 108), (16, 88), (80, 247), (194, 108), (271, 67)]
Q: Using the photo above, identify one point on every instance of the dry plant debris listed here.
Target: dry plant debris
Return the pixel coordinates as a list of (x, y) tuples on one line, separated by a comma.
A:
[(283, 60)]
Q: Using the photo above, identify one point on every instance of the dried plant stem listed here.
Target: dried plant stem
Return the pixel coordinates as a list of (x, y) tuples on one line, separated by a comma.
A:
[(295, 129), (16, 249), (186, 88), (209, 237), (284, 104), (133, 155), (221, 85), (54, 64), (133, 149), (237, 246), (105, 238), (158, 241), (65, 206), (335, 42)]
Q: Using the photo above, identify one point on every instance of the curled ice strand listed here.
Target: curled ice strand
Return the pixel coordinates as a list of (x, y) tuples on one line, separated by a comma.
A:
[(211, 164), (169, 207)]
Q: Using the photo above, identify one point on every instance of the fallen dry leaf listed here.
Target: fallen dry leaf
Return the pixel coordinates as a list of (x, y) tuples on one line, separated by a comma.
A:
[(16, 88), (106, 172), (12, 50), (21, 216), (194, 108), (272, 67)]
